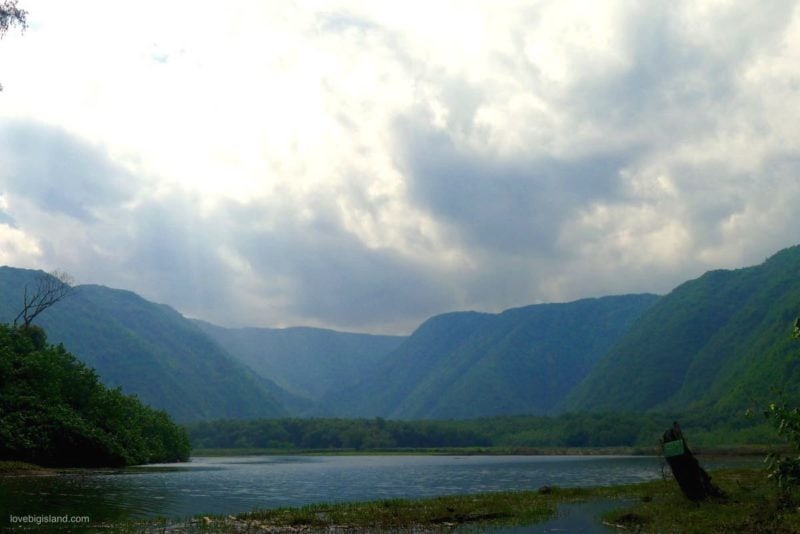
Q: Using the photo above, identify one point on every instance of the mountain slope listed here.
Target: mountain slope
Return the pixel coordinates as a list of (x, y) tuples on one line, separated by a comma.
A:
[(721, 340), (395, 380), (308, 362), (147, 349), (468, 364)]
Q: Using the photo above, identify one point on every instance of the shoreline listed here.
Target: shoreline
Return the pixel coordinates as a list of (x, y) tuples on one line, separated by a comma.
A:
[(752, 504), (13, 468)]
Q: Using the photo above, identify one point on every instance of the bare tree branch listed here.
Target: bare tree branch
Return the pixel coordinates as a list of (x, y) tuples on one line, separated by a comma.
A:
[(50, 289), (10, 15)]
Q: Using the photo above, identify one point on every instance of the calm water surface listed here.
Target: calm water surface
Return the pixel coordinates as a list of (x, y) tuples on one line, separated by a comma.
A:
[(240, 484)]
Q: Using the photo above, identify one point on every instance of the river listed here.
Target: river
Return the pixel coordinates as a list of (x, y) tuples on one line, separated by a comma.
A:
[(228, 485)]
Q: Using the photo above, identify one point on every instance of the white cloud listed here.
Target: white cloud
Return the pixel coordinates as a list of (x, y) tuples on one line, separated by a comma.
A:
[(17, 248), (365, 164)]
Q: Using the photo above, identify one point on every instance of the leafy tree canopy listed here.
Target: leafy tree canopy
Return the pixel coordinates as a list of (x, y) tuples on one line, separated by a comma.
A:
[(54, 411)]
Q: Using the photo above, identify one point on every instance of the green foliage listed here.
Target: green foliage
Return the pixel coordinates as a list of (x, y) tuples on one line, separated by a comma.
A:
[(147, 349), (467, 364), (353, 434), (785, 470), (54, 411), (716, 343), (517, 432)]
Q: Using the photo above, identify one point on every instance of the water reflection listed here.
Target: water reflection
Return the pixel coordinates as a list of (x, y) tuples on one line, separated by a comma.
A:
[(102, 497), (583, 517)]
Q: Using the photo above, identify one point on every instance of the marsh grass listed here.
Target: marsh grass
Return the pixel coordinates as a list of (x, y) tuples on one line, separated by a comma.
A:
[(434, 514), (753, 504), (505, 507)]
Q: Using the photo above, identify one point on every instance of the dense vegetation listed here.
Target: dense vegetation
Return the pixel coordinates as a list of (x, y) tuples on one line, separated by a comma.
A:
[(785, 470), (457, 365), (565, 431), (149, 350), (720, 342), (466, 364), (55, 412), (357, 434)]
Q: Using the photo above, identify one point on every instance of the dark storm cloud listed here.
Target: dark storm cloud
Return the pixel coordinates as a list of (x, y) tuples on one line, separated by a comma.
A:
[(682, 72), (304, 268), (58, 172), (511, 206), (301, 269), (71, 196), (635, 183), (174, 250), (329, 274)]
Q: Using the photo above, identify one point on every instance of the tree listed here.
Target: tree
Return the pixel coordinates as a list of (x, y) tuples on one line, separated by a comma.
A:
[(55, 411), (785, 470), (50, 289), (11, 15)]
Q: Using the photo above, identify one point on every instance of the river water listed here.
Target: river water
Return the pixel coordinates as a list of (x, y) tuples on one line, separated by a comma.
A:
[(229, 485)]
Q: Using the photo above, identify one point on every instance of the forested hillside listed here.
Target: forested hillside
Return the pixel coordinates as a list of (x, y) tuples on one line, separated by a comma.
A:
[(147, 349), (465, 365), (309, 362), (721, 341)]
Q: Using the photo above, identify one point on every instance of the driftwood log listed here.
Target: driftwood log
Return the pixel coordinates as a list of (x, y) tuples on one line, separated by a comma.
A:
[(693, 480)]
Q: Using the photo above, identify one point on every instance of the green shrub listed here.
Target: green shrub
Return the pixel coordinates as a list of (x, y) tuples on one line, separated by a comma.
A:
[(785, 470)]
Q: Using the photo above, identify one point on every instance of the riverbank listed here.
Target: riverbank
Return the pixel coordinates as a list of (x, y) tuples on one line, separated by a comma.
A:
[(752, 505), (13, 468)]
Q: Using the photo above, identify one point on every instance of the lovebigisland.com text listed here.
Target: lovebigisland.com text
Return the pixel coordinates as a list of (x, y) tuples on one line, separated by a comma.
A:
[(40, 520)]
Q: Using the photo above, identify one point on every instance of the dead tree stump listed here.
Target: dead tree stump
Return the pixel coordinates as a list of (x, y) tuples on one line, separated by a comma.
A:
[(693, 480)]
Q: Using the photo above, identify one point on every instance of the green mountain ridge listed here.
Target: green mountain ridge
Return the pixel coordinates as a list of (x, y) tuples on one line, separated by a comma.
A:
[(149, 350), (394, 380), (718, 342), (468, 364), (714, 344)]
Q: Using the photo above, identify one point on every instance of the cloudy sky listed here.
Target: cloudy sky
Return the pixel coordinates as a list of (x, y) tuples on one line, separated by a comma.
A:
[(363, 165)]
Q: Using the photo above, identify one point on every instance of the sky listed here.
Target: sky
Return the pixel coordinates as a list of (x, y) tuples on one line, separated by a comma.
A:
[(364, 165)]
